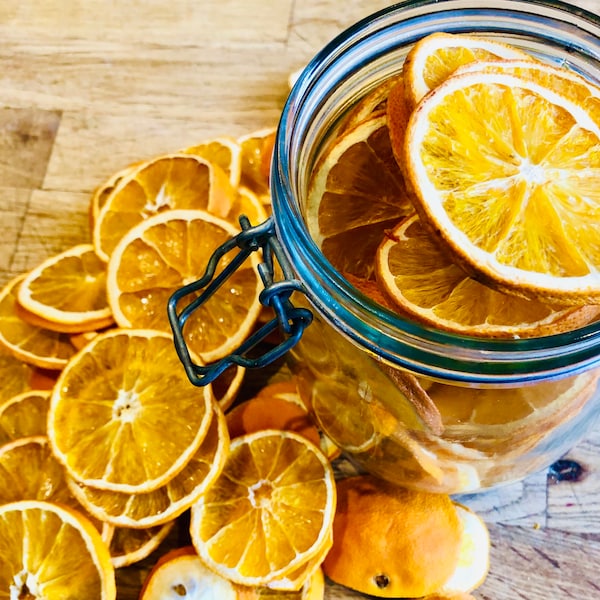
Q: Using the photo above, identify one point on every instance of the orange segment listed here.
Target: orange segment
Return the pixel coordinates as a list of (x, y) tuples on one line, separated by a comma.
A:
[(142, 510), (355, 194), (172, 249), (53, 550), (32, 344), (123, 415), (177, 181), (422, 279), (270, 510), (505, 171), (435, 57), (68, 290)]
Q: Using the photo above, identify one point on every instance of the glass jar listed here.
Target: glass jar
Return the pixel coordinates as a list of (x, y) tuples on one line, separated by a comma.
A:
[(420, 407)]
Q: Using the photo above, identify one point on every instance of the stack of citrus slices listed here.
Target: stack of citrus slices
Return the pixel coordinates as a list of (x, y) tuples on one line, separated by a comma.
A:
[(483, 225)]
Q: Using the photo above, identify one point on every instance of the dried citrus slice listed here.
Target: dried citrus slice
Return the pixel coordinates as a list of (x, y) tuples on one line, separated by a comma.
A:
[(474, 554), (34, 345), (247, 203), (422, 528), (176, 181), (496, 420), (104, 190), (270, 409), (128, 546), (225, 152), (53, 552), (374, 103), (505, 171), (24, 415), (270, 510), (29, 471), (435, 57), (164, 504), (573, 86), (355, 194), (227, 386), (15, 375), (123, 415), (256, 158), (180, 573), (171, 249), (68, 290), (422, 279)]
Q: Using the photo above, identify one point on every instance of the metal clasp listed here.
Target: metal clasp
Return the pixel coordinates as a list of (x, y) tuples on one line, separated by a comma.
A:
[(291, 321)]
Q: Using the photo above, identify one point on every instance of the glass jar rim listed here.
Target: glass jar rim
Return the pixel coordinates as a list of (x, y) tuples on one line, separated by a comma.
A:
[(405, 343)]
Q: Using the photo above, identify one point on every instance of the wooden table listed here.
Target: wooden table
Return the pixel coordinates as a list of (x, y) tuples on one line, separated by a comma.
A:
[(89, 87)]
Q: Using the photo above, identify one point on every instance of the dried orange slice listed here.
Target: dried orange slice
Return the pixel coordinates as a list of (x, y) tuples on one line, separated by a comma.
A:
[(355, 194), (164, 504), (227, 386), (68, 291), (256, 158), (373, 104), (176, 181), (52, 551), (129, 546), (169, 250), (505, 171), (180, 573), (16, 375), (271, 409), (24, 415), (435, 57), (104, 190), (225, 152), (269, 512), (123, 415), (29, 471), (247, 203), (423, 281), (34, 345)]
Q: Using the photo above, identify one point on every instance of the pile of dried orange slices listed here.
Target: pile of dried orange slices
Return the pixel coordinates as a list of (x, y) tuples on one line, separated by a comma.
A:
[(104, 442)]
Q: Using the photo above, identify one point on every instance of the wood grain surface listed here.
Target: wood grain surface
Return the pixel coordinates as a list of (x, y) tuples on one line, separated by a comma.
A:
[(87, 87)]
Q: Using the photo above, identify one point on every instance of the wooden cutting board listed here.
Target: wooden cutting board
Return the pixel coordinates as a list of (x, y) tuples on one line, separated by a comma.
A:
[(89, 87)]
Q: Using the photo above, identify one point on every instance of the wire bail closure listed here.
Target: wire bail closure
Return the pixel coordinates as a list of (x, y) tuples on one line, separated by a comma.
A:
[(291, 321)]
